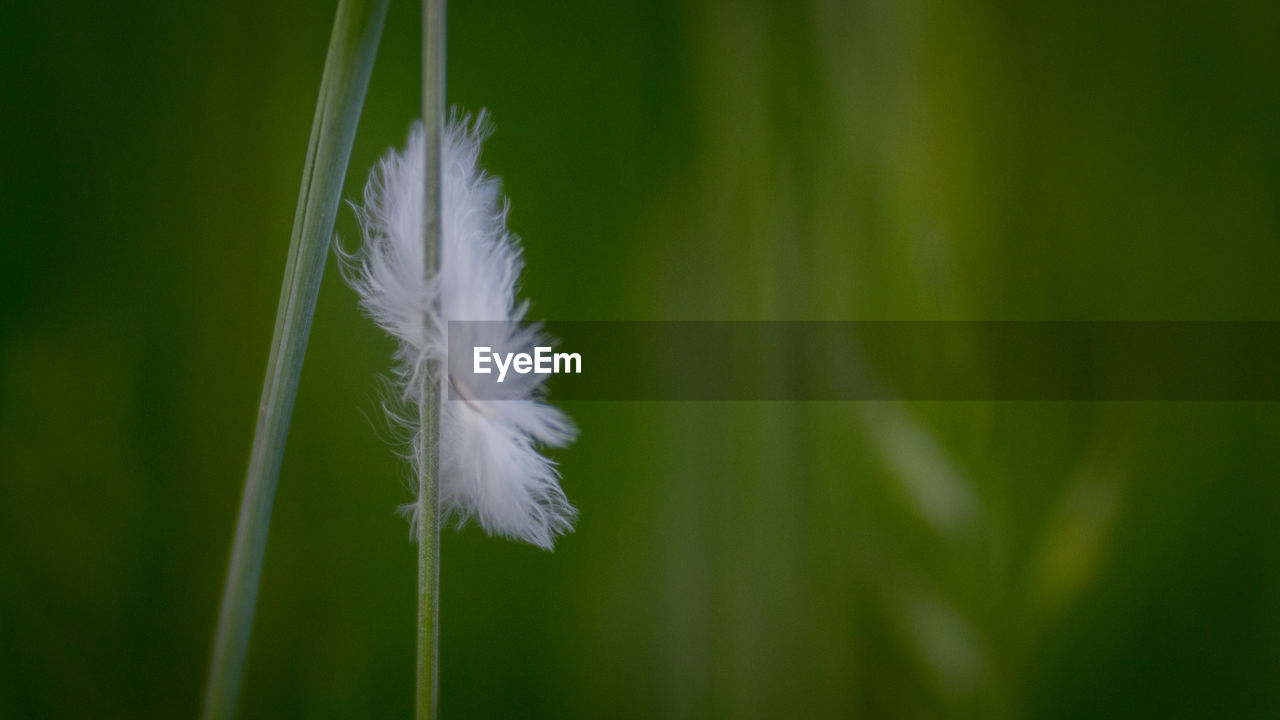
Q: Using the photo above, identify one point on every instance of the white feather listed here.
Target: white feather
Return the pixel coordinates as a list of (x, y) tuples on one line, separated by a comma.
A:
[(491, 468)]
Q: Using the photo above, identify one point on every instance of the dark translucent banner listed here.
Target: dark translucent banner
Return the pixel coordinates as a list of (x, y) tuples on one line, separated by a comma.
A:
[(597, 360)]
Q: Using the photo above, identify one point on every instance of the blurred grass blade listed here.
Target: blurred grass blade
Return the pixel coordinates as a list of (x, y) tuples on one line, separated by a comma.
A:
[(357, 28)]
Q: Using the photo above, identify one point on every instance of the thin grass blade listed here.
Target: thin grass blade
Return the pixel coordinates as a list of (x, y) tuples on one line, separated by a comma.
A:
[(357, 29)]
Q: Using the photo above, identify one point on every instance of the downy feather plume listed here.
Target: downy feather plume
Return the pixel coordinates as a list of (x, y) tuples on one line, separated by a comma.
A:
[(491, 467)]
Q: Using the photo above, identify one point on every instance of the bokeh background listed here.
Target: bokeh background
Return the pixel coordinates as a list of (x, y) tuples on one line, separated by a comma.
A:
[(702, 160)]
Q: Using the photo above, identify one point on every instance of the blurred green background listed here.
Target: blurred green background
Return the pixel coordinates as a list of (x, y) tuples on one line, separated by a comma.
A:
[(738, 160)]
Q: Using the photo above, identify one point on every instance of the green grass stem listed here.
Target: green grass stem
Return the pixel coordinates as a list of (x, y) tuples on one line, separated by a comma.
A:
[(433, 104), (357, 29)]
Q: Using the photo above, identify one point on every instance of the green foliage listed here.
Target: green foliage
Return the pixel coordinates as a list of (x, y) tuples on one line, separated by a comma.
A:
[(878, 160)]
